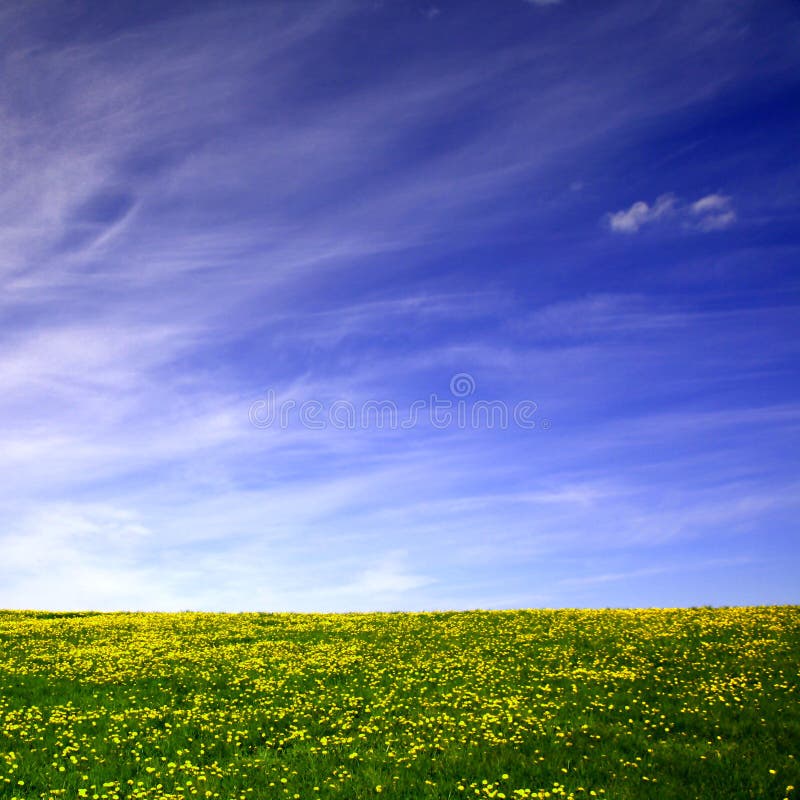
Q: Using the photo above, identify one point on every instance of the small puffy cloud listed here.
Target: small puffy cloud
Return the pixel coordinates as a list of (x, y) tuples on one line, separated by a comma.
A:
[(713, 212), (641, 213), (710, 213)]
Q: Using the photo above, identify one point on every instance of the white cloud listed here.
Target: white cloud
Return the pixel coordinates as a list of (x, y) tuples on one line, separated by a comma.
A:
[(389, 576), (710, 213), (713, 212), (711, 203), (640, 213)]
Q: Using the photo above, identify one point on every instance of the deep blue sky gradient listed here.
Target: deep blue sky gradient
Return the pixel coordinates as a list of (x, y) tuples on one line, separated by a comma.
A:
[(593, 207)]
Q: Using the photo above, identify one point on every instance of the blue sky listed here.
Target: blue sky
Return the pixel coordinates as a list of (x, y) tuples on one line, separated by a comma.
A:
[(589, 207)]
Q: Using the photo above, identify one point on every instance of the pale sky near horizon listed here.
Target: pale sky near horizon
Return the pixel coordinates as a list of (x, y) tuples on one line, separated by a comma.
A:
[(210, 209)]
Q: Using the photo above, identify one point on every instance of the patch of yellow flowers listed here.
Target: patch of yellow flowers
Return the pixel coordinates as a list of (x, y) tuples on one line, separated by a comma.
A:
[(524, 704)]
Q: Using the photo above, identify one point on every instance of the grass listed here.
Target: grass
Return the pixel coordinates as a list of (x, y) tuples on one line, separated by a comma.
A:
[(683, 703)]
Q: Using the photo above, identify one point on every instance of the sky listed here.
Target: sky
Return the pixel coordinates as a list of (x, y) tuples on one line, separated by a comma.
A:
[(408, 305)]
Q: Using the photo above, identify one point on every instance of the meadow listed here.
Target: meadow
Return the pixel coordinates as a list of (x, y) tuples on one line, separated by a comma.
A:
[(612, 704)]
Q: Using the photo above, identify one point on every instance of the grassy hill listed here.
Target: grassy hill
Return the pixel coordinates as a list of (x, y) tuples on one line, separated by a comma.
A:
[(683, 703)]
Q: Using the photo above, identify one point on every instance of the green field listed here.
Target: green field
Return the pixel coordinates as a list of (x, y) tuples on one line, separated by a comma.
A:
[(693, 703)]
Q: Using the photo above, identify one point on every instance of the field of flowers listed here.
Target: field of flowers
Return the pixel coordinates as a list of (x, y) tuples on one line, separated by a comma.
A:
[(695, 703)]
